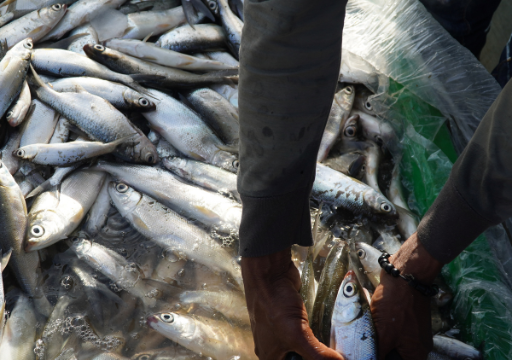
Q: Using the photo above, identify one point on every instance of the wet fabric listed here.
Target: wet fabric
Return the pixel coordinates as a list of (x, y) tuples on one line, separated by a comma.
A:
[(289, 66), (478, 193)]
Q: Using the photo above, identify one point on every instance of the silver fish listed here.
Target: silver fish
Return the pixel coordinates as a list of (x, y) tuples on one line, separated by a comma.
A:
[(64, 63), (407, 222), (78, 14), (369, 256), (150, 52), (455, 349), (223, 57), (3, 263), (213, 338), (165, 149), (204, 175), (13, 70), (34, 25), (125, 274), (387, 242), (188, 133), (205, 206), (342, 191), (53, 181), (121, 96), (67, 153), (231, 304), (352, 332), (204, 37), (377, 130), (54, 216), (350, 164), (217, 112), (148, 72), (99, 120), (142, 24), (340, 110), (13, 218), (172, 231), (232, 27), (308, 285), (168, 353), (20, 331), (99, 211), (228, 92), (9, 160), (18, 111)]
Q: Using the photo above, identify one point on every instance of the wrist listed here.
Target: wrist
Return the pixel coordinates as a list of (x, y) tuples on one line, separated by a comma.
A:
[(267, 266), (414, 259)]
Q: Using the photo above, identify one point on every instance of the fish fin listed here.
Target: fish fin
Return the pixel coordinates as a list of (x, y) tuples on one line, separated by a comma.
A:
[(137, 87), (202, 8), (147, 37), (123, 140), (189, 11), (64, 43), (37, 80), (5, 259), (227, 148)]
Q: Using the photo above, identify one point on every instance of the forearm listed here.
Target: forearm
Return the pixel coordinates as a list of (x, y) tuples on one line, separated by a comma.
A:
[(478, 193), (289, 66)]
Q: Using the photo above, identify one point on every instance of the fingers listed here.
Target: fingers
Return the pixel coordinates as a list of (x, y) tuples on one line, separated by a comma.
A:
[(308, 346)]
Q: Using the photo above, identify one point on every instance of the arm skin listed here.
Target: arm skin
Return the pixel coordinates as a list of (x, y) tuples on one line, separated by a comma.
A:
[(289, 66), (477, 195)]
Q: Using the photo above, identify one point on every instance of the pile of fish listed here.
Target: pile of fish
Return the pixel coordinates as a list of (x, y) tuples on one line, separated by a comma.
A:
[(119, 210)]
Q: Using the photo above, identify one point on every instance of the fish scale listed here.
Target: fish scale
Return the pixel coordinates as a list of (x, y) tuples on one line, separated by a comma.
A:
[(357, 339)]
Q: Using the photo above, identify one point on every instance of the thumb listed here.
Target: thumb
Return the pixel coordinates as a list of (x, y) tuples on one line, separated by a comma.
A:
[(308, 346)]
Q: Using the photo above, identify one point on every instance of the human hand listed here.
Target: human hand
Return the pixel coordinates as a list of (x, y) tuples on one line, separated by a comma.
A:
[(400, 313), (279, 320)]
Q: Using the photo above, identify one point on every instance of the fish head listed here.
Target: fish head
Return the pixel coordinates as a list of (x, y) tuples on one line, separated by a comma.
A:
[(368, 255), (23, 49), (6, 179), (177, 165), (80, 246), (43, 230), (13, 115), (53, 12), (100, 53), (27, 152), (348, 301), (379, 204), (171, 325), (226, 160), (351, 130), (345, 97), (137, 101), (125, 198)]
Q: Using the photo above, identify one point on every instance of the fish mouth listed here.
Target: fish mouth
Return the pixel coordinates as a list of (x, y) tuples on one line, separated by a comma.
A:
[(150, 320), (31, 246)]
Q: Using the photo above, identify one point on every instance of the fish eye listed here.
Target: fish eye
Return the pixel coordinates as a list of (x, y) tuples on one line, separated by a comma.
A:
[(349, 289), (99, 47), (28, 44), (122, 188), (166, 317), (350, 131), (20, 153), (236, 164), (150, 158), (9, 114), (37, 231), (75, 239), (385, 207), (56, 7), (368, 105), (361, 253), (349, 90), (144, 357), (143, 102), (212, 5)]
